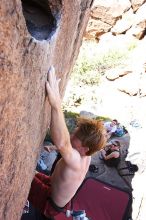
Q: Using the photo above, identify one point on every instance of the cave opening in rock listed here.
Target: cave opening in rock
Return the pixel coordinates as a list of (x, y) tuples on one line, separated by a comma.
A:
[(40, 21)]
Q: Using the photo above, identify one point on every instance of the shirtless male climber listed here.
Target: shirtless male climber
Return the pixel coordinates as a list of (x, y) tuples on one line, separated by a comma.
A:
[(51, 195)]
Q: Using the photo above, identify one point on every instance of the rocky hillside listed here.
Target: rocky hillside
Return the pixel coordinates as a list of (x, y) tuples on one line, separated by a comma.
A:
[(127, 105), (121, 91), (117, 17)]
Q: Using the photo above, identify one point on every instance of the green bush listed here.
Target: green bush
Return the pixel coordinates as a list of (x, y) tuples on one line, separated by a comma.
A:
[(92, 64), (69, 114), (103, 118), (132, 45)]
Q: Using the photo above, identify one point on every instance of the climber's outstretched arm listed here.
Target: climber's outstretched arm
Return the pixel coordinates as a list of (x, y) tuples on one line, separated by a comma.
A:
[(58, 129)]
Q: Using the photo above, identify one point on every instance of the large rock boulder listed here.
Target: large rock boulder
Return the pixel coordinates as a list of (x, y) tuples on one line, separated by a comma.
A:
[(136, 4), (34, 35), (104, 15), (118, 18), (109, 11)]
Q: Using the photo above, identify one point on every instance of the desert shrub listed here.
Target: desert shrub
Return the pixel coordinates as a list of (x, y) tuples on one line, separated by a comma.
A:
[(92, 63), (103, 118), (69, 114), (133, 44)]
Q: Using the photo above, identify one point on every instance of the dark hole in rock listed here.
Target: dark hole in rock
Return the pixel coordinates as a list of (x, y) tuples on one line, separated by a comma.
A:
[(40, 21)]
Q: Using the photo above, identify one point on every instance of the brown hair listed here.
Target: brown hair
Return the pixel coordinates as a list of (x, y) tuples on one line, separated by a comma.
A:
[(92, 133), (116, 143), (115, 120)]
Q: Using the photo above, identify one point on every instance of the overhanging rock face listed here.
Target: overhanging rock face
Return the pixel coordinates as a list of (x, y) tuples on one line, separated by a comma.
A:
[(33, 35)]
